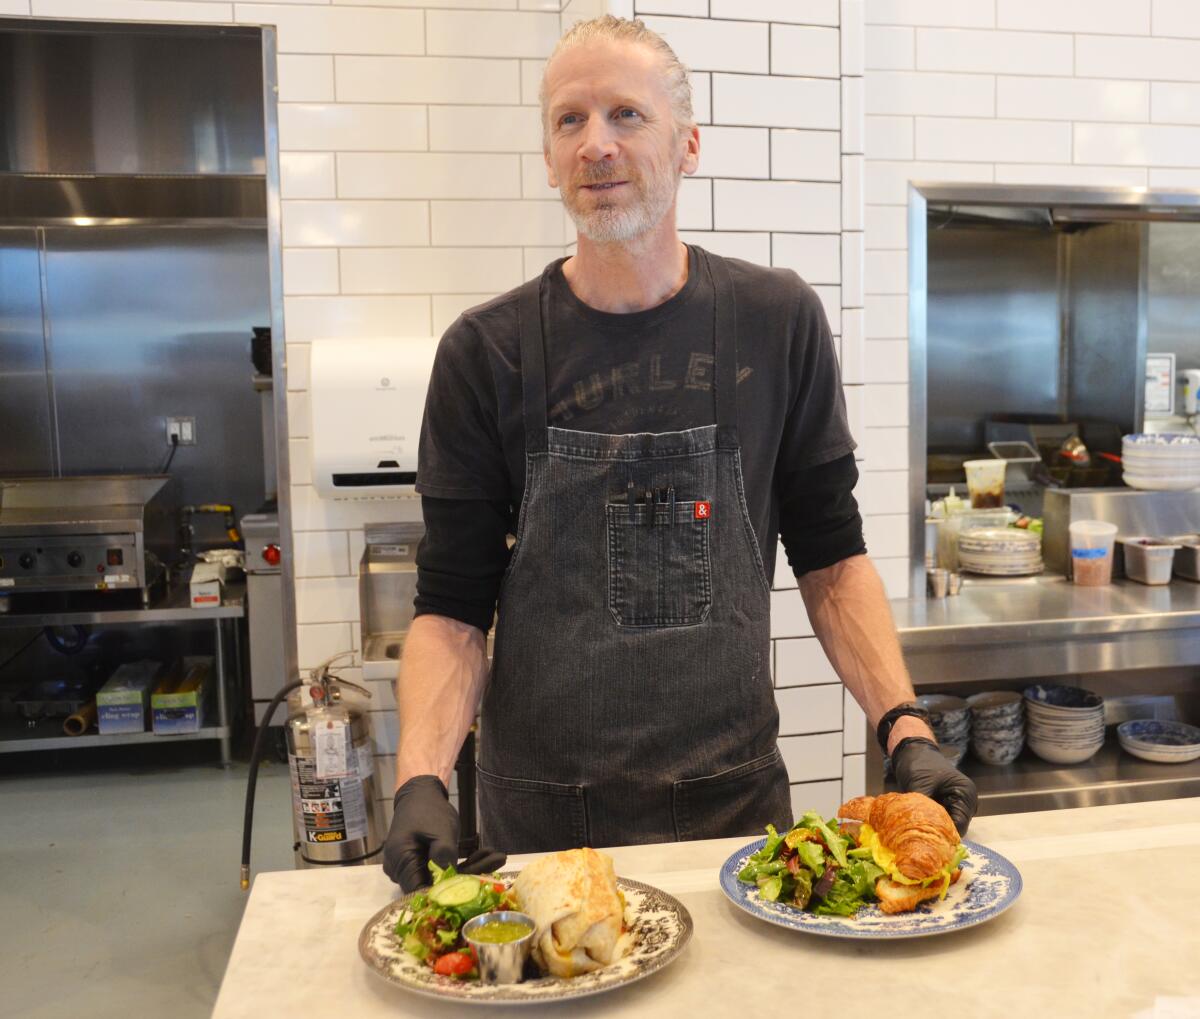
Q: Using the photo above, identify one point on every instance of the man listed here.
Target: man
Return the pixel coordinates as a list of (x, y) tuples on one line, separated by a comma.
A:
[(657, 415)]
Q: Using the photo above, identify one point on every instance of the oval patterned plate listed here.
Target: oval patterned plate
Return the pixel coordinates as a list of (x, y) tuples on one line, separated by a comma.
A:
[(988, 886), (659, 924)]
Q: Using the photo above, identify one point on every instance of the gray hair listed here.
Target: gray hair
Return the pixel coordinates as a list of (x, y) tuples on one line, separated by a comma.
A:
[(614, 29)]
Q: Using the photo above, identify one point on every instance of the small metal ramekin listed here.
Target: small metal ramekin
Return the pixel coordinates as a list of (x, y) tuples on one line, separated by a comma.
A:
[(500, 962)]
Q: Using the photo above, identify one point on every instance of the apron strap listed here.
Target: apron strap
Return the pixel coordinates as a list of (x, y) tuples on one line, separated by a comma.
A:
[(533, 366), (724, 350)]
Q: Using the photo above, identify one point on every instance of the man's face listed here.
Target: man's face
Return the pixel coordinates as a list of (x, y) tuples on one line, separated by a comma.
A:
[(612, 148)]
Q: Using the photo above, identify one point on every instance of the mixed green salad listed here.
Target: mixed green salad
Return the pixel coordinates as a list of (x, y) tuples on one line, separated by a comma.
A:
[(430, 927), (813, 867)]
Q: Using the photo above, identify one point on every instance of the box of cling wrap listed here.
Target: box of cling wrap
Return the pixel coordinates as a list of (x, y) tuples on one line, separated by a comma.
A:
[(177, 703), (122, 704)]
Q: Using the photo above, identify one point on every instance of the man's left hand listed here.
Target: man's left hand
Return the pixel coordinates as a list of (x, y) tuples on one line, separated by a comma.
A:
[(920, 768)]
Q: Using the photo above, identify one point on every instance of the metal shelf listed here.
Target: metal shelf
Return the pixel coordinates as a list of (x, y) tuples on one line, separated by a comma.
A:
[(175, 608), (17, 737), (1112, 776)]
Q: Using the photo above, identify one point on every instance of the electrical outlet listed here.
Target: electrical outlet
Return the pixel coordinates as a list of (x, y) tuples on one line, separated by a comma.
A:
[(184, 429)]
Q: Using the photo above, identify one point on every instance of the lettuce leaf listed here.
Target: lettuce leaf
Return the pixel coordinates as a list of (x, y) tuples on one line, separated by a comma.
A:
[(770, 886), (754, 870), (864, 874), (802, 891), (834, 842), (812, 856), (441, 873), (772, 847)]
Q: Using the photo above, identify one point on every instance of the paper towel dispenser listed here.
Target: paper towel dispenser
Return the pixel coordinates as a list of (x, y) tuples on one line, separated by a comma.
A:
[(368, 397)]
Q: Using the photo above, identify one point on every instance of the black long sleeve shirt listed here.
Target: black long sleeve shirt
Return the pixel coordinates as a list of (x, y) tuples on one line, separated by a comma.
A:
[(647, 371)]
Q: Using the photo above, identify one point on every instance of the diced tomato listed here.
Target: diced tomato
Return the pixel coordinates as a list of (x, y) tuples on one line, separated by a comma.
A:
[(498, 888), (454, 964)]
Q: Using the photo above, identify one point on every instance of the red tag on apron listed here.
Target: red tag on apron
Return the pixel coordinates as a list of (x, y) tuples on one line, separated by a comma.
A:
[(703, 510)]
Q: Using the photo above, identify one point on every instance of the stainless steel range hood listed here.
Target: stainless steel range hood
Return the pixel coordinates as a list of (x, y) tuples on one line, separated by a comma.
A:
[(88, 98)]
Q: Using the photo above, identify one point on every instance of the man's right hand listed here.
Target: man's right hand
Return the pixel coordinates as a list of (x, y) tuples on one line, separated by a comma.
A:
[(424, 828)]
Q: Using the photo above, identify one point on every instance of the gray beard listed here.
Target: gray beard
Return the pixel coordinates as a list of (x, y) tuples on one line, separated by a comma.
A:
[(612, 225)]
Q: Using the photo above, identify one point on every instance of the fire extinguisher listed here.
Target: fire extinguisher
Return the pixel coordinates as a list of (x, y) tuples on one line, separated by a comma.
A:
[(336, 818)]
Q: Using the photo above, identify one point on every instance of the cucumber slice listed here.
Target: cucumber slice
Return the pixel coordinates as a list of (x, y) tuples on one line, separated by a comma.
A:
[(457, 891)]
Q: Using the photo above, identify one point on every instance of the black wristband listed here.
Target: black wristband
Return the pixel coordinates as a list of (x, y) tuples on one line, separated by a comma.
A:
[(884, 729)]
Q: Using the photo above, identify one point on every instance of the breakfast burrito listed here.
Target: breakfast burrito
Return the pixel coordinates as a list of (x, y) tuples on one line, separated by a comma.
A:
[(573, 899)]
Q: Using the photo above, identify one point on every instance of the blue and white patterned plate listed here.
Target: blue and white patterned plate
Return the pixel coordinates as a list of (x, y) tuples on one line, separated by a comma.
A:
[(988, 886), (1170, 735)]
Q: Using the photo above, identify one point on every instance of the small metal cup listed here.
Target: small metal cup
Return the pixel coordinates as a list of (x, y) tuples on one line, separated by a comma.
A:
[(503, 962), (938, 582), (953, 583)]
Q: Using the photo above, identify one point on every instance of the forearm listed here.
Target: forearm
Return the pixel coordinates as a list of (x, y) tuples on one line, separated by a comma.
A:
[(848, 609), (442, 675)]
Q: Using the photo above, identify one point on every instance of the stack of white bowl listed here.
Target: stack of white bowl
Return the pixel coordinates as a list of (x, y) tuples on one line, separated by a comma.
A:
[(1165, 462), (1160, 742), (1064, 724), (1000, 551), (997, 726)]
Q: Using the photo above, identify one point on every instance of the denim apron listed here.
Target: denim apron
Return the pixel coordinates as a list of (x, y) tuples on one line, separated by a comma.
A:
[(630, 699)]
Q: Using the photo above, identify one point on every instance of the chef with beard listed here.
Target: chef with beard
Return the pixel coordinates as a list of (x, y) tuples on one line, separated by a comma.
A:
[(645, 419)]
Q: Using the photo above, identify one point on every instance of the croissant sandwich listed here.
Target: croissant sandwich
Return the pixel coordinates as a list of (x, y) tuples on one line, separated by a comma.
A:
[(579, 911), (914, 842)]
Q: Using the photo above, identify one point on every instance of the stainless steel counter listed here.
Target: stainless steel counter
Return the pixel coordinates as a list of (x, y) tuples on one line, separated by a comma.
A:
[(1046, 626), (998, 633)]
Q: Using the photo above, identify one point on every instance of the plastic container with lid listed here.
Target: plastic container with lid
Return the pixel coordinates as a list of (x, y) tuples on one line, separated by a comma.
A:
[(1148, 560), (1092, 552)]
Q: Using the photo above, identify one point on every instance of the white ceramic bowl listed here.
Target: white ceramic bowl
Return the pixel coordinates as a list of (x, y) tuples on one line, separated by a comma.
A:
[(1060, 755), (1164, 484)]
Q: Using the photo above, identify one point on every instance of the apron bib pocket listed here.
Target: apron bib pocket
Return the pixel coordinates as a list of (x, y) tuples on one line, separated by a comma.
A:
[(659, 573), (737, 801), (519, 815)]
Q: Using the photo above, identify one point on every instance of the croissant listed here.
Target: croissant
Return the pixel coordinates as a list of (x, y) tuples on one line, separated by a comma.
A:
[(912, 826), (857, 809)]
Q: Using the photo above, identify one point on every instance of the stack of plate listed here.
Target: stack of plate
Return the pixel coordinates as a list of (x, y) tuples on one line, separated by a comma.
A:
[(1166, 462), (1161, 742), (951, 721), (997, 726), (1000, 551), (1065, 724)]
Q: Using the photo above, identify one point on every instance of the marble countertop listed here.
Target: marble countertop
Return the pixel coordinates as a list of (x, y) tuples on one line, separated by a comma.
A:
[(1108, 924)]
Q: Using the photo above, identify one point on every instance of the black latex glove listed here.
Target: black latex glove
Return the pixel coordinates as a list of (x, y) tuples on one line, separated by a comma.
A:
[(424, 828), (919, 767)]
